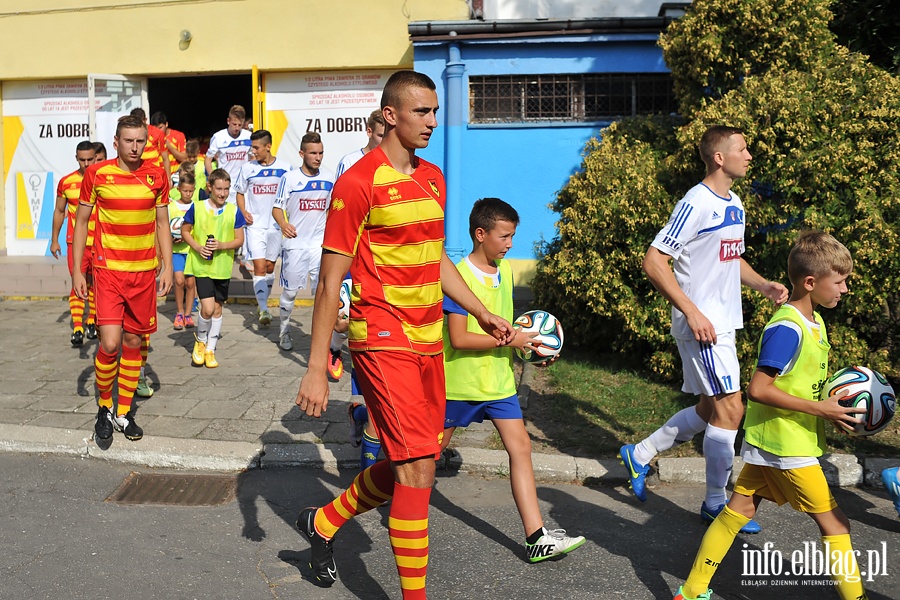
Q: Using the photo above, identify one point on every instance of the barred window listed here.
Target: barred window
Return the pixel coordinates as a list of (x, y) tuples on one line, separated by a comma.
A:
[(573, 97)]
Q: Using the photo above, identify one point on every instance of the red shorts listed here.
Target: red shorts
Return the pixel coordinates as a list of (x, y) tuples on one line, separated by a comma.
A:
[(406, 397), (85, 260), (126, 299)]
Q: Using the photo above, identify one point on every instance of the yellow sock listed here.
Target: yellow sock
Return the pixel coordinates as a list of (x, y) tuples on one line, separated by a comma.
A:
[(844, 570), (713, 548)]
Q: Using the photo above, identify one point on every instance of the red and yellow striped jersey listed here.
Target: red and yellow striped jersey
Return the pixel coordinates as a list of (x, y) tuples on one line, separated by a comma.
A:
[(179, 141), (156, 144), (125, 204), (393, 226), (70, 188)]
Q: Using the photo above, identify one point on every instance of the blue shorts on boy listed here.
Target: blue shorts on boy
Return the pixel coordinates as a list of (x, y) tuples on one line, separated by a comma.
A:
[(178, 262), (461, 413)]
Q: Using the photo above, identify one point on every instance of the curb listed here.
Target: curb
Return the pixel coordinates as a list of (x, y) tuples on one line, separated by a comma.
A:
[(841, 470)]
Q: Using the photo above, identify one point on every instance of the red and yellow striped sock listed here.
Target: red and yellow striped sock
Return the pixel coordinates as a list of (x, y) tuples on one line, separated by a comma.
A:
[(105, 368), (408, 528), (76, 307), (92, 307), (129, 370), (145, 348), (369, 489)]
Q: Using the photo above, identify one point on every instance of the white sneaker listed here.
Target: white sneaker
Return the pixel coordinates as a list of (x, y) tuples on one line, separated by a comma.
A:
[(286, 343), (554, 542)]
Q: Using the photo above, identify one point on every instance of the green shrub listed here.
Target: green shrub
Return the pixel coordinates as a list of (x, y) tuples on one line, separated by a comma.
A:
[(826, 143)]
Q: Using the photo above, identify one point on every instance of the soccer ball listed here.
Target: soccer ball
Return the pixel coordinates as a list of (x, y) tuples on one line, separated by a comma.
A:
[(867, 389), (550, 335), (175, 226)]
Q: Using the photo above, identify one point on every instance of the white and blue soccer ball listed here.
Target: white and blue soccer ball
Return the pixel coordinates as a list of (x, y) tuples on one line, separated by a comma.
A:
[(175, 224)]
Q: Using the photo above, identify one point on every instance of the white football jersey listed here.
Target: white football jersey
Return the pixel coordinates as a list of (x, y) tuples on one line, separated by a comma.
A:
[(259, 184), (348, 161), (230, 154), (705, 237), (305, 200)]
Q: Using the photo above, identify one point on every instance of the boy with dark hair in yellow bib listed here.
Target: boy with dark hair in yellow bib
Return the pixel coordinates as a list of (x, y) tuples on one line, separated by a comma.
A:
[(479, 375), (784, 430), (213, 229)]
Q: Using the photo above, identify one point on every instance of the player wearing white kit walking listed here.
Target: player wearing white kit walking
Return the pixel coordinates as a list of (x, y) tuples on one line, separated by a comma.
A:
[(705, 239), (230, 148), (301, 207), (255, 189)]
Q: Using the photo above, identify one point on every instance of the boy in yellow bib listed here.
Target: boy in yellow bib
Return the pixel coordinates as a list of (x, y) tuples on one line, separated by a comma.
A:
[(213, 229), (479, 375), (784, 431)]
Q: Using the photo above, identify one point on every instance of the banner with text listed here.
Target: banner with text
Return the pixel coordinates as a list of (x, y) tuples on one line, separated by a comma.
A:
[(334, 104)]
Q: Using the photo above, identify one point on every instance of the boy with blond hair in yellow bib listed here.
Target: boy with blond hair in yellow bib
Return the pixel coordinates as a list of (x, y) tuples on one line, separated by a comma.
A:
[(784, 430)]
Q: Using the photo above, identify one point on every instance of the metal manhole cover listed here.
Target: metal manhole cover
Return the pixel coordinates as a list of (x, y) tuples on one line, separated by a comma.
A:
[(175, 490)]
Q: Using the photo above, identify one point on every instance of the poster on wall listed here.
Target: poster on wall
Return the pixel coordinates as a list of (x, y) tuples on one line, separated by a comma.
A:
[(43, 121), (334, 104)]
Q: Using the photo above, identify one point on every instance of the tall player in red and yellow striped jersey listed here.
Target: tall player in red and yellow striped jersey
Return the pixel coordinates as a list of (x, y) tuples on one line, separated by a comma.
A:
[(386, 226), (67, 193), (129, 195)]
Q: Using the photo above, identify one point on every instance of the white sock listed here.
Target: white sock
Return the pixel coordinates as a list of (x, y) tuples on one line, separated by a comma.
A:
[(270, 281), (718, 449), (286, 307), (337, 341), (203, 329), (142, 372), (260, 290), (681, 427), (215, 329)]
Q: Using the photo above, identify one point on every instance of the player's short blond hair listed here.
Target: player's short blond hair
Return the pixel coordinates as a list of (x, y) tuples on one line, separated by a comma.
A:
[(375, 118), (714, 139), (817, 254), (130, 122), (237, 111)]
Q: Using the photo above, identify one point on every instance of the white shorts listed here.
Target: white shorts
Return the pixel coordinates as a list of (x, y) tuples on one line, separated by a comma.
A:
[(298, 265), (710, 369), (262, 243), (344, 306)]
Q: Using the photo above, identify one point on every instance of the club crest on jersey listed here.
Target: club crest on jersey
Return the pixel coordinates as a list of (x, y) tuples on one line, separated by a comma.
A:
[(730, 250), (434, 187), (337, 204), (150, 180)]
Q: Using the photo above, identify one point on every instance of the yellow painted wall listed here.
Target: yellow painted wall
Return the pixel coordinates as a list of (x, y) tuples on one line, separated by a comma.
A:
[(51, 39)]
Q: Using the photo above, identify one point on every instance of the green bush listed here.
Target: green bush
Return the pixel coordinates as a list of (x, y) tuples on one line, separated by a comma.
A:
[(826, 145)]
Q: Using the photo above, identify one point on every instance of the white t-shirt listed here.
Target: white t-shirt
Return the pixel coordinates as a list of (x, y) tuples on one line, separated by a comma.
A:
[(705, 237), (230, 154), (348, 161), (259, 184), (305, 200)]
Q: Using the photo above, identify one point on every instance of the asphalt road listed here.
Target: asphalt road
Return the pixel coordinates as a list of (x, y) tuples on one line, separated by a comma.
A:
[(62, 539)]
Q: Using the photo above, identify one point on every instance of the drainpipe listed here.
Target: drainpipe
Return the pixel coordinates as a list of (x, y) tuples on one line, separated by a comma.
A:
[(453, 218)]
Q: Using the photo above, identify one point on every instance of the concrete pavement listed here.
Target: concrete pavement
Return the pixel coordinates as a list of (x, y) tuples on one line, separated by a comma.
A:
[(242, 415)]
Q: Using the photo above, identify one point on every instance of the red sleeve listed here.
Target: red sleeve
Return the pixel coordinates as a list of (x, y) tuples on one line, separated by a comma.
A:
[(162, 194), (351, 200), (87, 187), (59, 188)]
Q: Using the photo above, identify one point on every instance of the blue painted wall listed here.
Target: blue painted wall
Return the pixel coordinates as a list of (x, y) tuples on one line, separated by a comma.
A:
[(524, 164)]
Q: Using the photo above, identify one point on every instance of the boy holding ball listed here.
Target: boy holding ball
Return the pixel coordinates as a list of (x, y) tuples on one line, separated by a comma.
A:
[(784, 432), (479, 374)]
